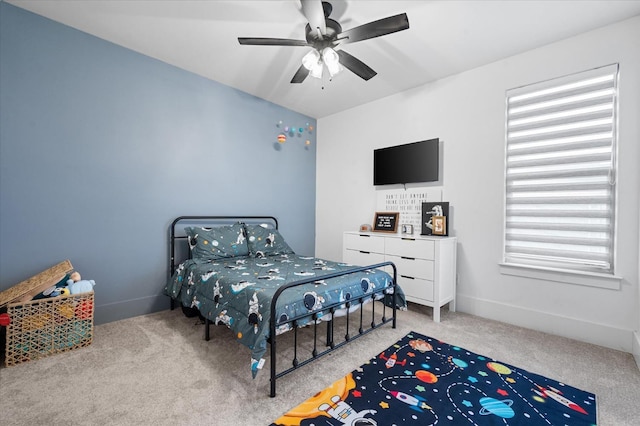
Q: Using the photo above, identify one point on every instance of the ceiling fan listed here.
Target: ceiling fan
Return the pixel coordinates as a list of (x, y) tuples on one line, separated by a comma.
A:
[(324, 35)]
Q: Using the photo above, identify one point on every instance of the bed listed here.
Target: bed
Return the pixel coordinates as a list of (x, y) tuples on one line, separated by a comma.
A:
[(240, 272)]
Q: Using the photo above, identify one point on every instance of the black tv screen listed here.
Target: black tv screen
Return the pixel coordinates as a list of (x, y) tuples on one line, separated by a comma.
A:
[(408, 163)]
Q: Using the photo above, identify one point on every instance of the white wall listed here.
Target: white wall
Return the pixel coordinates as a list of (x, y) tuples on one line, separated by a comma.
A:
[(466, 112)]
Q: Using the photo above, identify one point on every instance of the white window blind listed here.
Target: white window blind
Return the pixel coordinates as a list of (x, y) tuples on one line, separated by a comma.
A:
[(560, 172)]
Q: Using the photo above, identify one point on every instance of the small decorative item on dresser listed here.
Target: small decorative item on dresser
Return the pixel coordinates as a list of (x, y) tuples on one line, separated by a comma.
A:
[(407, 229), (429, 212), (439, 225), (386, 222), (365, 227)]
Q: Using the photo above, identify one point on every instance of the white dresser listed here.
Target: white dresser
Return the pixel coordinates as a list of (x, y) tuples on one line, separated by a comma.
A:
[(426, 265)]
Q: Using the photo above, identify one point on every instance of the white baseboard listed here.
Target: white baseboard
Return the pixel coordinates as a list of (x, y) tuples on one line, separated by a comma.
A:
[(585, 331), (636, 347)]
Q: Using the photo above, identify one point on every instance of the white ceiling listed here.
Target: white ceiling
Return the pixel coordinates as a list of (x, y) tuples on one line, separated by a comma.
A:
[(444, 38)]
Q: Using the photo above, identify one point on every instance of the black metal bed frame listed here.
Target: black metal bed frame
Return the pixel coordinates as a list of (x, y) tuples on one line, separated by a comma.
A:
[(275, 323)]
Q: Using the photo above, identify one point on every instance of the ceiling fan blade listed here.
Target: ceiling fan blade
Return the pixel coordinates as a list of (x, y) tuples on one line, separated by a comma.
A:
[(355, 65), (313, 11), (300, 75), (260, 41), (377, 28)]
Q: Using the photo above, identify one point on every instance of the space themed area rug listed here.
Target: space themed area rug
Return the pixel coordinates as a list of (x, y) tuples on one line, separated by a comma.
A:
[(424, 381)]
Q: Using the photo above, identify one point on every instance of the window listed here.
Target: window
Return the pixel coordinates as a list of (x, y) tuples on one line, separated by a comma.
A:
[(560, 173)]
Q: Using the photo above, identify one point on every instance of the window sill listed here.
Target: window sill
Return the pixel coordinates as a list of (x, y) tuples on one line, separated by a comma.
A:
[(590, 279)]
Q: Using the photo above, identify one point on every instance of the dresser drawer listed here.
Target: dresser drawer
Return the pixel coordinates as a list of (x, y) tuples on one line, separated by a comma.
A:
[(416, 268), (364, 242), (416, 288), (360, 258), (410, 247)]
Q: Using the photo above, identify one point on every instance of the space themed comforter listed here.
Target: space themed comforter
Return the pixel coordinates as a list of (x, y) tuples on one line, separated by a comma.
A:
[(237, 292)]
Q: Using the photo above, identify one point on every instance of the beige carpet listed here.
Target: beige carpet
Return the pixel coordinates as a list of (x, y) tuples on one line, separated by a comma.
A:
[(158, 370)]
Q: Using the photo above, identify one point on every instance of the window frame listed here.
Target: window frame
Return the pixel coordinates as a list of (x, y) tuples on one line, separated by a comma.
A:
[(548, 270)]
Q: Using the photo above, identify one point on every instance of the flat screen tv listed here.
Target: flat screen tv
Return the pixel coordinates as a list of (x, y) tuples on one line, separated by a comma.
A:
[(408, 163)]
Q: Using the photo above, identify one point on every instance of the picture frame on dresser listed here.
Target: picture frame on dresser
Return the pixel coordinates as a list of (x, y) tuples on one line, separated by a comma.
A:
[(386, 222), (431, 210), (407, 229), (439, 225)]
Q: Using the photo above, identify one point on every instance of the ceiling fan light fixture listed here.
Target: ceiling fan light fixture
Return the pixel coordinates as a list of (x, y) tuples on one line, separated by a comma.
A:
[(311, 59), (316, 71), (313, 62), (332, 60), (330, 57)]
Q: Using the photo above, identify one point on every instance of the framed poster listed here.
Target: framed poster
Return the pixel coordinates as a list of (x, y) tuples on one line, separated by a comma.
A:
[(385, 222), (429, 210), (407, 202)]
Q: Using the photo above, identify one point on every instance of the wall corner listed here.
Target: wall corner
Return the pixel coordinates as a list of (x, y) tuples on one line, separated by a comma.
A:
[(636, 347)]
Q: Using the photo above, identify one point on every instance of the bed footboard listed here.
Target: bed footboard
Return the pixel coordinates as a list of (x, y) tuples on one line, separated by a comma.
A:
[(331, 344), (363, 325)]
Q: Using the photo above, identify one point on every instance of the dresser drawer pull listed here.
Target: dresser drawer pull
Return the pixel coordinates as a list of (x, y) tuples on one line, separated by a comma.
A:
[(409, 278), (361, 235), (408, 239), (407, 258), (365, 252)]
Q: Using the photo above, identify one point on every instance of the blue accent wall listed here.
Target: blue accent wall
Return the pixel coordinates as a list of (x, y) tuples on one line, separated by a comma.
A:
[(101, 148)]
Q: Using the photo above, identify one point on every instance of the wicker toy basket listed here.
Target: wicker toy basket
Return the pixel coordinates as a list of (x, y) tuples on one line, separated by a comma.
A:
[(48, 326), (43, 327)]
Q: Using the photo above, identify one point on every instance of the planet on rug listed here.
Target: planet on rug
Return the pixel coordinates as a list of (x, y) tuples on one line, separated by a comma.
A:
[(423, 381)]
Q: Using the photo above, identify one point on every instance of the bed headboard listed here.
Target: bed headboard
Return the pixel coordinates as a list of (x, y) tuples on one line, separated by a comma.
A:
[(179, 246)]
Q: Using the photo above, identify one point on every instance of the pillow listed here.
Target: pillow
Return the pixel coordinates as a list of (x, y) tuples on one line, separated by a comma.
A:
[(217, 243), (265, 241)]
